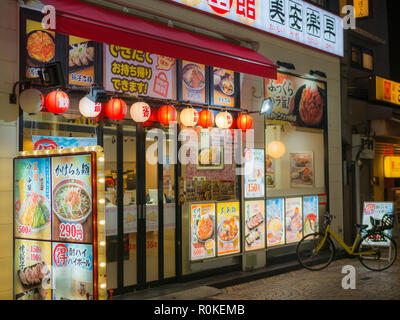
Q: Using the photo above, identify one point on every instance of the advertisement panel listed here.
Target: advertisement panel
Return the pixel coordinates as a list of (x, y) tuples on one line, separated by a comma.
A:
[(254, 173), (228, 228), (141, 73), (376, 210), (72, 271), (310, 214), (81, 61), (52, 143), (32, 198), (223, 89), (202, 231), (72, 198), (302, 169), (194, 82), (254, 231), (302, 102), (296, 20), (32, 271), (275, 221), (294, 219)]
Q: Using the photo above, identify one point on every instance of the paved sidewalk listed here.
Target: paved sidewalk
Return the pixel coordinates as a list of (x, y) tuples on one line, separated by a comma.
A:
[(320, 285)]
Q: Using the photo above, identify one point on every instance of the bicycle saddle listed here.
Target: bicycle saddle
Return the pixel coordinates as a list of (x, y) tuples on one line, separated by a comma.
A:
[(361, 226)]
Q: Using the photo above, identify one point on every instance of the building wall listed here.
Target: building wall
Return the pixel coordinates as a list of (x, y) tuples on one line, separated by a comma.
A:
[(8, 139)]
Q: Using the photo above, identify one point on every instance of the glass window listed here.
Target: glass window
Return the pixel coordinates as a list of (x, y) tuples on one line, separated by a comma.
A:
[(356, 56), (368, 61)]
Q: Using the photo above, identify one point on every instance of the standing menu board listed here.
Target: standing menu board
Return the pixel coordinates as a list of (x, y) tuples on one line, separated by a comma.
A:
[(275, 221), (254, 186), (294, 225), (55, 203), (228, 228), (254, 225), (376, 210), (202, 231)]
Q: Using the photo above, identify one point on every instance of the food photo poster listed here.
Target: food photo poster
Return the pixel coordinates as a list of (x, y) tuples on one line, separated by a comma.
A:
[(302, 169), (254, 225), (228, 228)]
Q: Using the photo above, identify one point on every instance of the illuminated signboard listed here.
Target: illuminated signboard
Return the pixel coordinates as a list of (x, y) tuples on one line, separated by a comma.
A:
[(385, 90), (295, 20), (59, 236), (361, 8), (391, 165)]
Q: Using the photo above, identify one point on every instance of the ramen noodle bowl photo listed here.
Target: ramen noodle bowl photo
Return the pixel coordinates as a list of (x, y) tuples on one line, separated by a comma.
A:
[(72, 201), (34, 212), (193, 77), (228, 230)]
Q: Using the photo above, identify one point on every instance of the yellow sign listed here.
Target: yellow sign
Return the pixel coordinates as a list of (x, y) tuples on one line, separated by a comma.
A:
[(361, 8), (228, 227), (391, 167), (387, 90)]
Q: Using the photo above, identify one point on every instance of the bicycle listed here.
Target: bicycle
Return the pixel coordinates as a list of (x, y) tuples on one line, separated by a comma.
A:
[(373, 247)]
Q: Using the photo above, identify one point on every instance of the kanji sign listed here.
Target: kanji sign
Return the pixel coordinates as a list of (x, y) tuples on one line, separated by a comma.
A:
[(296, 20)]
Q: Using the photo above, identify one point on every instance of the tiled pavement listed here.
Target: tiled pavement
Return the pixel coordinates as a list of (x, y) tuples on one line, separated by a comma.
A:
[(320, 285)]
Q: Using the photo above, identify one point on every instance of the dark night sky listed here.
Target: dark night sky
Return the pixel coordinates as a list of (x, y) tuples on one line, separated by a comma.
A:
[(394, 38)]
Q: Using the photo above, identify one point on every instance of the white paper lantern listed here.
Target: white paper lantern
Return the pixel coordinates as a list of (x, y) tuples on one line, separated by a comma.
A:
[(140, 111), (31, 101), (189, 117), (224, 120), (89, 108), (276, 149)]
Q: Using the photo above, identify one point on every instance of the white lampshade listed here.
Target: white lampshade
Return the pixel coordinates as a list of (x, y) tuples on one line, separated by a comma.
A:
[(276, 149), (31, 101), (189, 117), (140, 111), (224, 120), (89, 108)]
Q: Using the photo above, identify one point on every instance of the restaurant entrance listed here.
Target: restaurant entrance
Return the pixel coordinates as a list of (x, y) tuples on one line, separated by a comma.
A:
[(140, 211)]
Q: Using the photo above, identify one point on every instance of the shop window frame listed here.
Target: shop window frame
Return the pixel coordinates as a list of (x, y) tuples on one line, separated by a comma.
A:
[(362, 51)]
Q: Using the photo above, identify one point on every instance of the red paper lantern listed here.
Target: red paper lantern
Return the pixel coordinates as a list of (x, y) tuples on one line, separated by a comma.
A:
[(244, 122), (57, 102), (116, 109), (206, 118), (166, 114)]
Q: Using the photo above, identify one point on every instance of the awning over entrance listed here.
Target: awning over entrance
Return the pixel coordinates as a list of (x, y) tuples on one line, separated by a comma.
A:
[(98, 24)]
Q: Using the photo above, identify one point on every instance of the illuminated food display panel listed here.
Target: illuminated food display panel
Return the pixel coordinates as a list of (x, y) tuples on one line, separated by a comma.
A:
[(59, 235)]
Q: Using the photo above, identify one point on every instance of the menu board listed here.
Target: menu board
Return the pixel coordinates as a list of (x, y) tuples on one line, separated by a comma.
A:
[(54, 205), (32, 274), (302, 169), (137, 72), (293, 219), (275, 221), (223, 89), (40, 48), (72, 271), (310, 214), (254, 231), (228, 228), (81, 61), (194, 82), (300, 101), (254, 173), (202, 231), (32, 198), (376, 210), (72, 198)]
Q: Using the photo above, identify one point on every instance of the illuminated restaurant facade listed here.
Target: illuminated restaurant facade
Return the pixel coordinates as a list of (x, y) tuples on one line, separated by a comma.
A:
[(162, 71)]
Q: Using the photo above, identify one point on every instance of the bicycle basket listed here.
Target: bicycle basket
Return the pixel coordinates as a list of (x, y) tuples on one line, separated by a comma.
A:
[(386, 223)]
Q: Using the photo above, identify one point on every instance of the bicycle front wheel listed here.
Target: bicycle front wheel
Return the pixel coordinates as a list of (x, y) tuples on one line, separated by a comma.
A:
[(377, 252), (308, 256)]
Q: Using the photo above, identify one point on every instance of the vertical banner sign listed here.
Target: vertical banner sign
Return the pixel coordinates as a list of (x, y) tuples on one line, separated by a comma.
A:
[(310, 214), (72, 198), (194, 82), (223, 92), (377, 210), (81, 61), (140, 73), (32, 198), (254, 173), (296, 20), (275, 222), (294, 213), (254, 225), (32, 270), (228, 228), (202, 231)]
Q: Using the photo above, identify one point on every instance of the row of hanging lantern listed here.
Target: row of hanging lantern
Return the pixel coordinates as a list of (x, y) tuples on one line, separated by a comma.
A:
[(57, 102)]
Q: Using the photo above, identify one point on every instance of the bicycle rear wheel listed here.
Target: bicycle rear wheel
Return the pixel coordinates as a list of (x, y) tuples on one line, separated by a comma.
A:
[(384, 248), (307, 255)]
